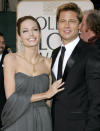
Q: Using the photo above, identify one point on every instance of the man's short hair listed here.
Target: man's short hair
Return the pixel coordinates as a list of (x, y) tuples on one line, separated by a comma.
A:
[(70, 7), (93, 21)]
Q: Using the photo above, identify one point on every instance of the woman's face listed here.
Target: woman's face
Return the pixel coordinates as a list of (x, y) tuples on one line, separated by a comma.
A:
[(2, 44), (29, 33)]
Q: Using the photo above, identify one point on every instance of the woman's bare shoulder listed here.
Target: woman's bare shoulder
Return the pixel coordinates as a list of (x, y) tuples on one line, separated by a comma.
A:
[(10, 58)]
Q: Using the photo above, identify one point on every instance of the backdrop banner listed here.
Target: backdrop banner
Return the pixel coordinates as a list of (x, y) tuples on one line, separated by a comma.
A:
[(45, 12)]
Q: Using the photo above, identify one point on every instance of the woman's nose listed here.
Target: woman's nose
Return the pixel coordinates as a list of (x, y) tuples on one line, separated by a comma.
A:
[(31, 32)]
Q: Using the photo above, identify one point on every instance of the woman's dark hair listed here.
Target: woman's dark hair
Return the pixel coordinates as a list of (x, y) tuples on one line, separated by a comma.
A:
[(20, 20)]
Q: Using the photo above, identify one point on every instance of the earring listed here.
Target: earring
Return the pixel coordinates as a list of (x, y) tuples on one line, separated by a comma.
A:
[(21, 42), (21, 45)]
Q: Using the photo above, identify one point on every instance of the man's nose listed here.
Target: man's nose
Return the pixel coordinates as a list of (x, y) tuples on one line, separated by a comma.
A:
[(2, 42), (67, 24)]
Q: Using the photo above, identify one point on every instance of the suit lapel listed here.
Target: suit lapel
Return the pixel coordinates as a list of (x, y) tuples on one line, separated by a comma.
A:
[(1, 62), (2, 58), (54, 55), (3, 55), (72, 60)]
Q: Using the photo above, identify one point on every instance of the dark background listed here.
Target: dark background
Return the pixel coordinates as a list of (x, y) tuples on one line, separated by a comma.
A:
[(96, 4), (8, 28)]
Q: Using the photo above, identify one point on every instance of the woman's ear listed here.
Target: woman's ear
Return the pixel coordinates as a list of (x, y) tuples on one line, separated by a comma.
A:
[(19, 39)]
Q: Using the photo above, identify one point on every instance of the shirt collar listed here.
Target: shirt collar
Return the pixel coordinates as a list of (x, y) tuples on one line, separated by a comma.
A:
[(71, 44), (0, 57)]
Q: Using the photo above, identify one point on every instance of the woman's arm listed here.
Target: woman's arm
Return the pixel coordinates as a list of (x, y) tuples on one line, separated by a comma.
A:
[(9, 74), (54, 88), (9, 81)]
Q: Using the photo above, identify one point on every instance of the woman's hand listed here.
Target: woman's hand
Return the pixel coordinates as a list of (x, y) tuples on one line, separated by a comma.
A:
[(55, 88)]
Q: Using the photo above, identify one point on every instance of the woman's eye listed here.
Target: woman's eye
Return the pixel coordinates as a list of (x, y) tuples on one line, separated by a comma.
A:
[(25, 31), (36, 29)]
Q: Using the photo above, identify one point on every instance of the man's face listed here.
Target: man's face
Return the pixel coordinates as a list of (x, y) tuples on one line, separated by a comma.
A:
[(68, 26), (84, 31), (2, 44)]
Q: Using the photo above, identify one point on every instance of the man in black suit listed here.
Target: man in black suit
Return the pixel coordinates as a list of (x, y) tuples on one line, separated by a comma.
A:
[(3, 52), (77, 108)]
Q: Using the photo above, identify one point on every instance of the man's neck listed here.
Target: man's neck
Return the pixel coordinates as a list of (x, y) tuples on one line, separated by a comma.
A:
[(69, 41)]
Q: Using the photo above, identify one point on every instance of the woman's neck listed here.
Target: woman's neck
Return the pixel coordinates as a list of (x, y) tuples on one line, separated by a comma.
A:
[(30, 52), (31, 55)]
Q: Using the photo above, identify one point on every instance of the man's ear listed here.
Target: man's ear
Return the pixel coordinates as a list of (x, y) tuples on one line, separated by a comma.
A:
[(57, 26), (80, 26), (90, 32)]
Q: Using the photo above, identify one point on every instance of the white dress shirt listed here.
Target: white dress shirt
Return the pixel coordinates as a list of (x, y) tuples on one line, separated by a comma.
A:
[(69, 49), (0, 57)]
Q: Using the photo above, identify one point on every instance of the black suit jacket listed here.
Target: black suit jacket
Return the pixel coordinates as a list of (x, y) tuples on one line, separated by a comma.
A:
[(77, 108), (2, 93)]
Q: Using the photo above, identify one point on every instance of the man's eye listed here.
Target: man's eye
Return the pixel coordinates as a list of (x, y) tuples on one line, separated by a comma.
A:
[(3, 42), (62, 21), (72, 21)]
